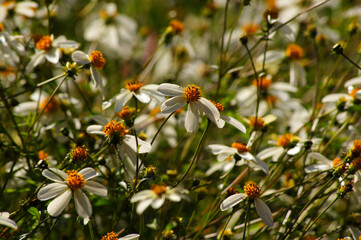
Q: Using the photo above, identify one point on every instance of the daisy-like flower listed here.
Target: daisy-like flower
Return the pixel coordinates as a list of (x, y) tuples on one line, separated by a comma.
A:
[(65, 185), (235, 123), (118, 134), (49, 48), (23, 8), (156, 197), (114, 236), (190, 95), (323, 165), (5, 220), (297, 72), (251, 191), (228, 156), (96, 61), (144, 93)]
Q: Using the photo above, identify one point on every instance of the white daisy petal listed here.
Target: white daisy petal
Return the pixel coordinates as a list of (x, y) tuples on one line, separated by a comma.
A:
[(55, 175), (192, 117), (144, 146), (211, 111), (95, 129), (57, 206), (235, 123), (316, 168), (144, 205), (98, 79), (80, 57), (88, 173), (8, 222), (52, 55), (142, 96), (169, 89), (173, 104), (96, 188), (51, 190), (175, 197), (157, 203), (122, 99), (264, 212), (232, 200), (142, 195), (82, 205), (130, 237)]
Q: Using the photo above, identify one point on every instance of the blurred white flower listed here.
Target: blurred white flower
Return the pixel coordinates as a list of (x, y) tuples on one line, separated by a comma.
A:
[(156, 197), (68, 183), (5, 220), (190, 95)]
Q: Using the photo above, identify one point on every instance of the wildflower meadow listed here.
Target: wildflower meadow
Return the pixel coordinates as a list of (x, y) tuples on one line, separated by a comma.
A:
[(171, 119)]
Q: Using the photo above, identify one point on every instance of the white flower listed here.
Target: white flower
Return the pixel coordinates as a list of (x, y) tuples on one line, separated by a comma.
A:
[(190, 95), (227, 157), (252, 191), (113, 235), (156, 196), (143, 93), (4, 220), (325, 163), (235, 123), (96, 61), (24, 8), (68, 183)]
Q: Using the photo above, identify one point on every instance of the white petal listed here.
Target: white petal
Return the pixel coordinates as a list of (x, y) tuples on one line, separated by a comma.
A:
[(173, 104), (232, 200), (52, 55), (88, 173), (96, 188), (122, 99), (269, 152), (282, 86), (57, 206), (143, 205), (51, 191), (55, 175), (100, 119), (334, 97), (264, 212), (262, 165), (80, 57), (130, 237), (95, 129), (144, 146), (175, 197), (142, 195), (169, 89), (142, 96), (97, 78), (192, 118), (216, 148), (211, 111), (353, 81), (316, 168), (25, 108), (295, 150), (158, 202), (82, 205), (235, 123), (8, 222)]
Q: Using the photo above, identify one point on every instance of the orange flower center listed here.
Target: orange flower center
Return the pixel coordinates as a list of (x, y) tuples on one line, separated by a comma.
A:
[(42, 155), (154, 111), (264, 84), (115, 131), (251, 189), (259, 124), (336, 162), (44, 43), (134, 86), (110, 236), (356, 149), (9, 4), (241, 148), (294, 51), (1, 27), (285, 140), (125, 113), (271, 100), (357, 163), (80, 154), (97, 59), (192, 93), (159, 189), (75, 180), (353, 92), (177, 26), (219, 106), (52, 105), (250, 29)]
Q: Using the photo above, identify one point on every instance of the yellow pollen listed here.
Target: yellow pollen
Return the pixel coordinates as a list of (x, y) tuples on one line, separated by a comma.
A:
[(357, 163), (159, 189), (80, 154), (44, 43), (110, 236), (192, 93), (51, 107), (150, 171), (285, 140), (1, 27), (125, 113), (294, 51), (250, 29), (75, 180), (353, 92), (265, 83), (42, 155), (177, 26), (356, 149), (134, 86), (259, 124), (168, 234), (232, 191), (251, 189), (97, 59), (219, 106), (271, 3), (241, 148), (115, 131), (336, 162)]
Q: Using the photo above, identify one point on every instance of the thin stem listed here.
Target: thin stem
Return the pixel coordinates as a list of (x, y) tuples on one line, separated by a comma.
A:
[(245, 222), (195, 155), (225, 226), (350, 60), (91, 230)]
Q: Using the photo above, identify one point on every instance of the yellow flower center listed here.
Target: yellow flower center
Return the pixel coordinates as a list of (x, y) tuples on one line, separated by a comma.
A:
[(168, 234), (192, 93), (265, 83), (44, 43), (257, 124), (251, 189), (356, 149), (1, 27), (241, 148), (353, 92), (51, 107), (270, 99), (294, 51), (125, 113), (159, 189), (9, 4), (80, 154), (75, 180), (336, 162), (115, 131), (110, 236), (42, 155), (177, 26), (356, 163), (219, 106), (134, 86), (97, 59), (150, 171), (285, 140), (250, 29)]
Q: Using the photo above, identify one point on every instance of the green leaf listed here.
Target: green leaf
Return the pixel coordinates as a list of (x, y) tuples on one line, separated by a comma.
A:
[(35, 212)]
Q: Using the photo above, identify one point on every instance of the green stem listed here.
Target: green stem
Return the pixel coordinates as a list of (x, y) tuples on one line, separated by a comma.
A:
[(225, 226), (91, 230), (245, 222)]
